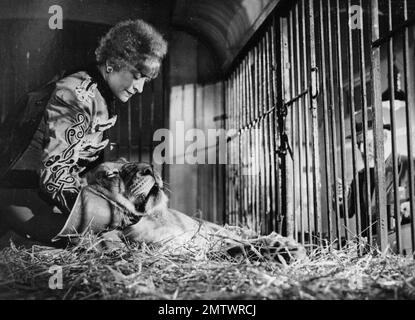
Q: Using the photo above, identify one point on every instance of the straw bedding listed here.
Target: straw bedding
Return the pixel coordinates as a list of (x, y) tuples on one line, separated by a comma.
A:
[(141, 272)]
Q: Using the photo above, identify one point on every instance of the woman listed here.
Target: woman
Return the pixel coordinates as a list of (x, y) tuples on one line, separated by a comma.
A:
[(70, 137)]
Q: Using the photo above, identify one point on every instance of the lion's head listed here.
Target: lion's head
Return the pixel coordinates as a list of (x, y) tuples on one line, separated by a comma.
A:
[(137, 182), (143, 186)]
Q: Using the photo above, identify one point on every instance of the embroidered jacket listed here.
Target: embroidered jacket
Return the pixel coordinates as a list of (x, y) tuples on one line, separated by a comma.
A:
[(69, 137)]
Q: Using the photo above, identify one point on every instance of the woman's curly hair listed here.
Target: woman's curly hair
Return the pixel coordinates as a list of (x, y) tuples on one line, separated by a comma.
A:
[(133, 43)]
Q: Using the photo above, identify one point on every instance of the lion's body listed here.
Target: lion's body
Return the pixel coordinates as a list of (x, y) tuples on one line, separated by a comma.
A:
[(160, 225)]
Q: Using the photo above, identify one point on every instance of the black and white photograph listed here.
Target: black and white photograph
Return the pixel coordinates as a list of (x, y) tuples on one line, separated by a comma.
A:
[(229, 152)]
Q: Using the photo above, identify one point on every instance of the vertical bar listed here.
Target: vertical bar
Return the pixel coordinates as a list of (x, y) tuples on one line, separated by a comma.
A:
[(306, 118), (326, 126), (119, 131), (234, 163), (165, 111), (261, 137), (235, 150), (240, 147), (299, 117), (379, 183), (342, 125), (333, 122), (261, 215), (256, 141), (140, 124), (251, 187), (271, 149), (234, 154), (201, 197), (367, 197), (265, 135), (393, 129), (293, 127), (129, 130), (220, 168), (228, 166), (277, 95), (250, 118), (257, 136), (285, 128), (251, 136), (409, 127), (355, 186), (245, 133), (237, 156), (244, 141), (230, 148), (240, 164), (314, 103), (241, 144)]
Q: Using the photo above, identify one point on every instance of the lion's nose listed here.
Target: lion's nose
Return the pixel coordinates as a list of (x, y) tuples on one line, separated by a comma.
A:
[(147, 172)]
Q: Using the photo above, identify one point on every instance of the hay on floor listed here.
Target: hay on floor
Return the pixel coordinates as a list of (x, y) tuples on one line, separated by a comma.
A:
[(134, 272)]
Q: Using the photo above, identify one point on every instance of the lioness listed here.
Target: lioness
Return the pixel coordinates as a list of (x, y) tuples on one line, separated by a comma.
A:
[(129, 197)]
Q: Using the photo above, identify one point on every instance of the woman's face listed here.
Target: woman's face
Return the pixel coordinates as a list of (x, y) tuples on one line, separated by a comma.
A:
[(126, 82)]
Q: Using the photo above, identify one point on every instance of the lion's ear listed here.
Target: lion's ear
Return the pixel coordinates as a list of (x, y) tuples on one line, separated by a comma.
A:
[(122, 160)]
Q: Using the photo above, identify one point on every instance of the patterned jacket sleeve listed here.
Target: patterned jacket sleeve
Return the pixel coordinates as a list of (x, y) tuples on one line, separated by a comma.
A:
[(71, 141)]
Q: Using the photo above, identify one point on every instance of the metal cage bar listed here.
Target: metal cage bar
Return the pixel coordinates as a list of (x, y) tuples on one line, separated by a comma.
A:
[(331, 110), (396, 206), (324, 102), (409, 127), (364, 107), (293, 126), (276, 96), (379, 181), (305, 109), (341, 106), (315, 141), (297, 107), (268, 120), (264, 143), (239, 141), (352, 111)]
